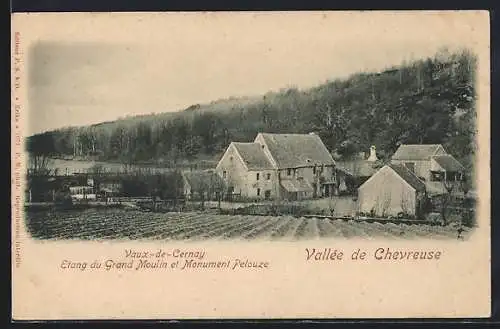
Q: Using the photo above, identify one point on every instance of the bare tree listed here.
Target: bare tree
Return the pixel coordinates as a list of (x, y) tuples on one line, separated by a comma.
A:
[(465, 187), (39, 165), (467, 213), (446, 199), (376, 207), (386, 203), (332, 204), (405, 203)]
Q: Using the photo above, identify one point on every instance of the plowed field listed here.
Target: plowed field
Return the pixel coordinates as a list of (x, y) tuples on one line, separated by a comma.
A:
[(136, 225)]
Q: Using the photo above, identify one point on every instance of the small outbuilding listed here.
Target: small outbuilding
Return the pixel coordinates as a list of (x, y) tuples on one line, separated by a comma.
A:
[(202, 185), (392, 191)]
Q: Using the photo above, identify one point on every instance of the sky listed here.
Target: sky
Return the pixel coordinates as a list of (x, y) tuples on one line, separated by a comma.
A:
[(85, 68)]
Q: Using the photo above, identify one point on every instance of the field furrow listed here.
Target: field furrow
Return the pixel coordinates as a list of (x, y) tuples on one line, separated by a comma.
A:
[(192, 231), (181, 229), (262, 229), (287, 232), (371, 230), (217, 227), (328, 229), (237, 231), (434, 232), (296, 229), (136, 225), (308, 229), (180, 222), (346, 229), (281, 227)]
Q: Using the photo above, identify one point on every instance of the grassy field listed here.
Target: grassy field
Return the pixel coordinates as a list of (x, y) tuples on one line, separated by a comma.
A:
[(134, 225)]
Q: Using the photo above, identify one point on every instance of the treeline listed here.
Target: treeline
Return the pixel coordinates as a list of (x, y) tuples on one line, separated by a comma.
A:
[(425, 101), (133, 183)]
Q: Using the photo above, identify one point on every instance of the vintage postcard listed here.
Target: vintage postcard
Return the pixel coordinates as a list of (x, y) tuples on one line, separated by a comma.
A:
[(251, 165)]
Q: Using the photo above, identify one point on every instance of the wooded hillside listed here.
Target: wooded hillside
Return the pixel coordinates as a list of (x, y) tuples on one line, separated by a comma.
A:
[(426, 101)]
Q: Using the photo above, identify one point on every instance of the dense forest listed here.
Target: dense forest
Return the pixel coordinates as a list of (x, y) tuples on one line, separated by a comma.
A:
[(425, 101)]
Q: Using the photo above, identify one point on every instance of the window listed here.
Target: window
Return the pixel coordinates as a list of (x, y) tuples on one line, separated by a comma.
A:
[(224, 174), (453, 176), (289, 172), (437, 176), (231, 158), (268, 176), (410, 166), (258, 175), (267, 194), (258, 192), (314, 170)]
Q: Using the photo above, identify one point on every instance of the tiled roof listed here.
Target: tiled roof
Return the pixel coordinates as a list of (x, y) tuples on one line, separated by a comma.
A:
[(253, 156), (409, 177), (296, 185), (297, 150), (415, 151), (448, 162)]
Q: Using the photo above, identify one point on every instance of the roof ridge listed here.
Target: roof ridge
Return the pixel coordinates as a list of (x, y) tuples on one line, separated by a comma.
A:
[(412, 173), (404, 168)]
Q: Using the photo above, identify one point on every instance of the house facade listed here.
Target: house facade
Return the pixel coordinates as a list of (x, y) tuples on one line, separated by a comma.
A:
[(279, 166), (391, 191), (428, 161), (432, 164)]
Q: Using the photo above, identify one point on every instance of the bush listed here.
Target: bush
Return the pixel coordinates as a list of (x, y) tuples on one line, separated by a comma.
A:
[(63, 198), (468, 218), (270, 210)]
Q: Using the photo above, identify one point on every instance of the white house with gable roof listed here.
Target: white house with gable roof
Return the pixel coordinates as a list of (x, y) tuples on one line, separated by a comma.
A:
[(279, 166)]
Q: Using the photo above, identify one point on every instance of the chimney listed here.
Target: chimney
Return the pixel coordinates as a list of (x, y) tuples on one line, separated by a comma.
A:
[(373, 154)]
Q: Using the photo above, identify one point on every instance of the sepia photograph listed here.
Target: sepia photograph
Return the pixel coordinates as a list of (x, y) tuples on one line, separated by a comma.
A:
[(209, 164), (343, 141)]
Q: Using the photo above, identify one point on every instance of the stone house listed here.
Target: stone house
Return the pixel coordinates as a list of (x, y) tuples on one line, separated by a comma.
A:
[(432, 164), (279, 166), (392, 190)]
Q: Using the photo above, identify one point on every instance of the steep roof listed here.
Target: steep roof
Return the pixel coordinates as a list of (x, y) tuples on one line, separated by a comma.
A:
[(297, 150), (296, 185), (416, 151), (203, 180), (448, 162), (409, 177), (253, 156)]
